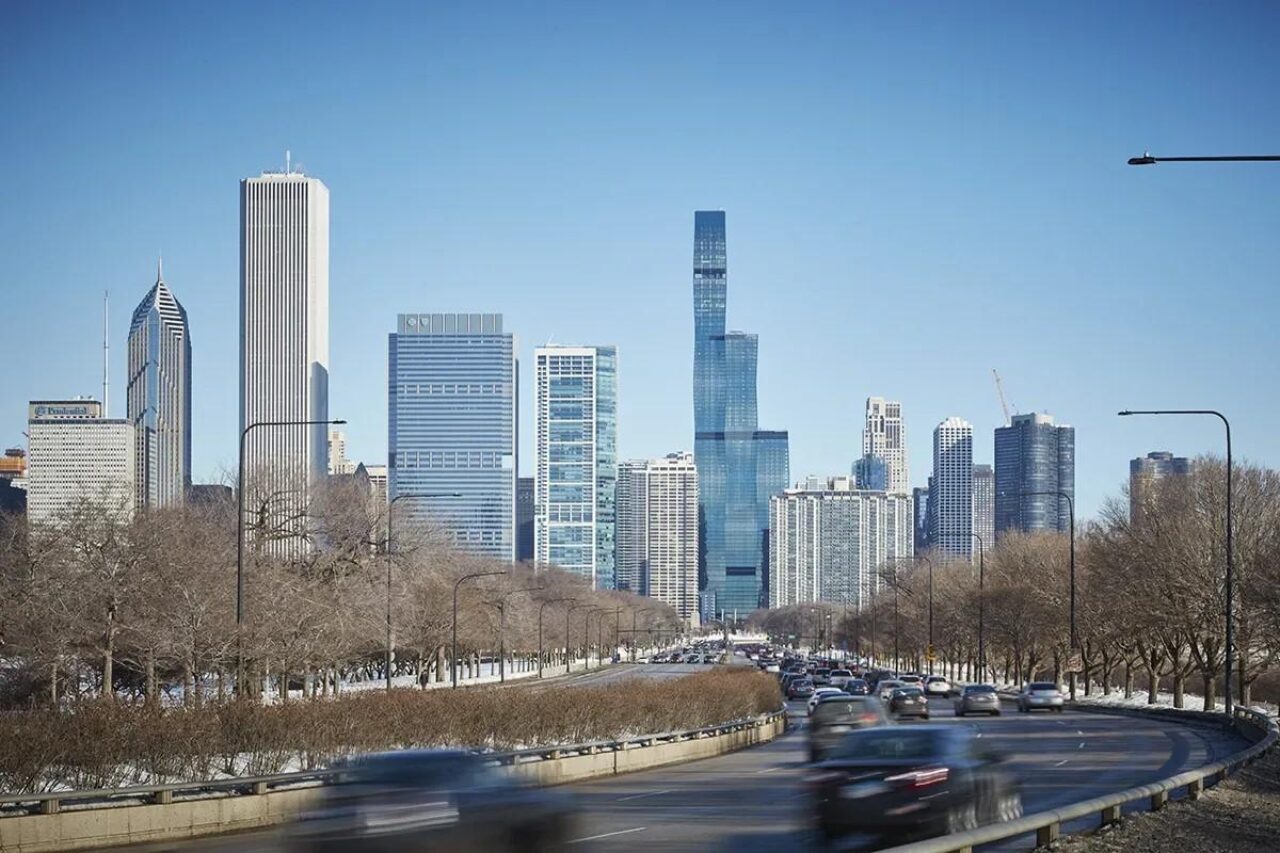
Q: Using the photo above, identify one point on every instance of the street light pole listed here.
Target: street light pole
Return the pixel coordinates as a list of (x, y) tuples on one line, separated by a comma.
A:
[(982, 602), (567, 613), (453, 650), (1071, 509), (1230, 579), (390, 511), (240, 535), (1148, 160), (541, 610), (931, 653), (502, 630)]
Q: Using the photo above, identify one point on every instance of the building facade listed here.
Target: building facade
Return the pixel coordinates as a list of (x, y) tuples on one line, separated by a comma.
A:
[(883, 466), (1035, 461), (984, 504), (451, 422), (828, 542), (951, 490), (339, 464), (657, 553), (284, 342), (159, 396), (78, 458), (577, 464), (739, 465), (1146, 471), (525, 504), (921, 509)]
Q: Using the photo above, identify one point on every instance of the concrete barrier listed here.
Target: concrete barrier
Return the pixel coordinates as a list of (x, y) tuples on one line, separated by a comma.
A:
[(79, 827)]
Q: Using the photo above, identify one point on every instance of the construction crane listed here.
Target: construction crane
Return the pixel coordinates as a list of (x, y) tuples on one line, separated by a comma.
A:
[(1004, 404)]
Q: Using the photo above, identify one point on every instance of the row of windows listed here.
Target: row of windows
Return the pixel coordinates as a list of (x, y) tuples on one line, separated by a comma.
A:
[(445, 388), (453, 459)]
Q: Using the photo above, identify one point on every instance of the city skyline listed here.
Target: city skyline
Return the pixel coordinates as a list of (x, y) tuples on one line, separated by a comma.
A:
[(415, 213)]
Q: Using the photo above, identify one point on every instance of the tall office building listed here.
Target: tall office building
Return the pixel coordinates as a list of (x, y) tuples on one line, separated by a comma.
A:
[(377, 475), (984, 504), (657, 545), (1146, 471), (77, 457), (951, 491), (829, 540), (525, 503), (1035, 460), (739, 465), (883, 466), (577, 462), (921, 515), (452, 427), (284, 340), (159, 396), (339, 464)]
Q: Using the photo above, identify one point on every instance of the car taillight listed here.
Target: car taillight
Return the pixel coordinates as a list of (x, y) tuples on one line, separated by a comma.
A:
[(920, 778), (869, 718)]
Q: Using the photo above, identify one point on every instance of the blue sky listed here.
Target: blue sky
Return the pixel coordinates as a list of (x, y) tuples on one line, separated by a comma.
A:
[(916, 193)]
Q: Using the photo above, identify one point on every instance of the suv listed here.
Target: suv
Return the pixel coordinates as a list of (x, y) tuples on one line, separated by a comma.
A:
[(936, 685), (839, 677), (1040, 694), (821, 677), (835, 717)]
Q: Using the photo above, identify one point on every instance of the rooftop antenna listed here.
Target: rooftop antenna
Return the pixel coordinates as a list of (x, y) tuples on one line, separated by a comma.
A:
[(106, 357)]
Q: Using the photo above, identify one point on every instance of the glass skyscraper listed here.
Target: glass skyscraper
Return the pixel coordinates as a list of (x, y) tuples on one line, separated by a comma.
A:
[(1033, 455), (739, 466), (452, 426), (577, 460)]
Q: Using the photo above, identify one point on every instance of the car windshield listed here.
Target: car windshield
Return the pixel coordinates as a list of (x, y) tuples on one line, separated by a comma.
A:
[(979, 688), (890, 743), (1044, 685), (890, 685), (410, 770), (907, 691), (842, 673)]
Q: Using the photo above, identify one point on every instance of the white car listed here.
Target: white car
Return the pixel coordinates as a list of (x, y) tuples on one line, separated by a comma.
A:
[(936, 685), (885, 688), (819, 693)]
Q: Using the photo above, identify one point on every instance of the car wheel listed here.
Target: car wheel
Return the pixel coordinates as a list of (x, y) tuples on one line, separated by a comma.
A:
[(962, 818), (1009, 806)]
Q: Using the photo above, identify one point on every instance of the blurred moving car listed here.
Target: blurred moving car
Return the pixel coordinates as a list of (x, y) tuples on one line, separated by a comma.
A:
[(909, 702), (857, 687), (840, 677), (800, 688), (886, 686), (836, 716), (431, 799), (819, 692), (978, 699), (912, 680), (911, 780), (936, 685), (821, 676), (1040, 694)]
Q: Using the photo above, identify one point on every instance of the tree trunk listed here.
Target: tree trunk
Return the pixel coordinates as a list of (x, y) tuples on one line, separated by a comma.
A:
[(108, 654), (1128, 678), (150, 665), (1210, 688), (53, 684), (1179, 688)]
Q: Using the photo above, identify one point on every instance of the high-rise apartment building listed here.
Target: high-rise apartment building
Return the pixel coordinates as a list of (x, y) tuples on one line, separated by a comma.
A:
[(159, 396), (577, 463), (339, 464), (284, 341), (657, 502), (883, 466), (921, 513), (1035, 461), (1146, 471), (984, 504), (452, 427), (77, 457), (525, 503), (829, 540), (951, 491), (739, 465)]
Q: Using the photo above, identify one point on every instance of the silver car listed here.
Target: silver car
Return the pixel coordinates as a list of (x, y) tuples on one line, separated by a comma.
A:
[(1043, 695), (978, 699)]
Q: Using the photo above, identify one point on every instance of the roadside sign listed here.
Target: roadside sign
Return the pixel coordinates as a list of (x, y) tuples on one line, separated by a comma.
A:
[(930, 655), (1075, 663)]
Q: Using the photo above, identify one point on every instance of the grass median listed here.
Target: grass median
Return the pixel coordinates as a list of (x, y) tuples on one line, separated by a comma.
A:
[(101, 745)]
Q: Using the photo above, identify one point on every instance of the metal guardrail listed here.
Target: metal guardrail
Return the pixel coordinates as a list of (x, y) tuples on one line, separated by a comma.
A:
[(1047, 825), (12, 805)]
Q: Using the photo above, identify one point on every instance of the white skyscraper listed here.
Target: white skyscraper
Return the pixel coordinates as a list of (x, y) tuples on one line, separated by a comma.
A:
[(338, 462), (577, 468), (657, 521), (984, 504), (159, 396), (284, 337), (884, 448), (951, 494), (828, 541), (77, 456)]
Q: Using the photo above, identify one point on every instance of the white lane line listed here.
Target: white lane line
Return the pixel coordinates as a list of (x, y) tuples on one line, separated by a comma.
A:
[(609, 834), (769, 770), (646, 794), (1080, 732), (1081, 746), (1060, 763)]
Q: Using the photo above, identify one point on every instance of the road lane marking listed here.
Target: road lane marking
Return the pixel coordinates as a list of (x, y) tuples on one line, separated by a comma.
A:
[(609, 834), (1080, 732), (1081, 746), (646, 794), (1060, 763), (769, 769)]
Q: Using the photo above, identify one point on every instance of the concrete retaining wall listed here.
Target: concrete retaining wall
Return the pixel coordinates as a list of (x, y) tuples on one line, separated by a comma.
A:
[(93, 828)]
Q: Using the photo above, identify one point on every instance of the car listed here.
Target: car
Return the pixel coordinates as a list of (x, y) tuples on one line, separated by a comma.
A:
[(819, 692), (898, 781), (886, 686), (909, 702), (821, 676), (835, 716), (912, 680), (936, 685), (977, 699), (431, 799), (857, 687), (800, 688), (1040, 694), (771, 667), (839, 677)]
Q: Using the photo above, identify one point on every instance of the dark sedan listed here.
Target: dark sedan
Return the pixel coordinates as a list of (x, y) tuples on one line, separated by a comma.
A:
[(431, 799), (857, 687), (978, 699), (909, 702), (800, 688), (836, 716), (899, 781)]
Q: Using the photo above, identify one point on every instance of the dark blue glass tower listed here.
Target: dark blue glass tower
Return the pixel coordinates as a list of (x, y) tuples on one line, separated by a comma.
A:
[(739, 466)]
